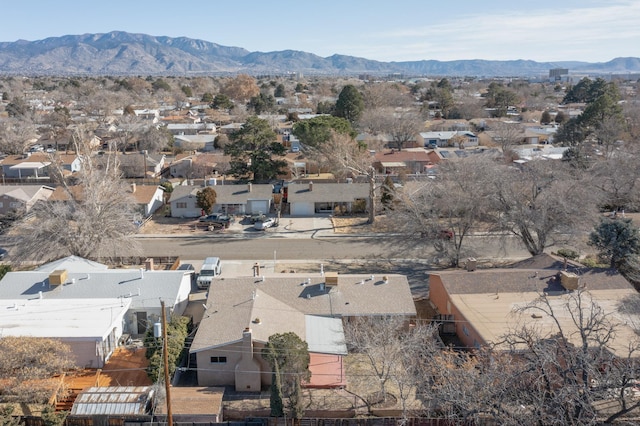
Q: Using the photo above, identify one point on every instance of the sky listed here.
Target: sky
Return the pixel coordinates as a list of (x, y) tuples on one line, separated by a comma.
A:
[(399, 30)]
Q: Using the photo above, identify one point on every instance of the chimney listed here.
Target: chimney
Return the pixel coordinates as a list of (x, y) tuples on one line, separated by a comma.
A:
[(148, 264), (247, 344), (310, 185), (249, 187), (133, 188)]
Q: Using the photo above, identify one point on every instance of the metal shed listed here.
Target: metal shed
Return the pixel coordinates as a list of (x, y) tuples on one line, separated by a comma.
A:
[(113, 400)]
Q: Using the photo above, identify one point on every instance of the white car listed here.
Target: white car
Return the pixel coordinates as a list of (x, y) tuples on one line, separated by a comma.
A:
[(261, 225)]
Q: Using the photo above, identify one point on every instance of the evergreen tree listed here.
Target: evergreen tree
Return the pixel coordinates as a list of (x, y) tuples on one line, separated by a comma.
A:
[(350, 104), (255, 152), (617, 240), (288, 356), (316, 131), (388, 193), (206, 199)]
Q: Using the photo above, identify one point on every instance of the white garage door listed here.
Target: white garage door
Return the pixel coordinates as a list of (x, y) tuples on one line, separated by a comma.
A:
[(257, 206), (302, 209)]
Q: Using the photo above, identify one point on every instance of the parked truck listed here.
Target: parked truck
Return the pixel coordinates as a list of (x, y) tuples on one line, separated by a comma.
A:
[(211, 268)]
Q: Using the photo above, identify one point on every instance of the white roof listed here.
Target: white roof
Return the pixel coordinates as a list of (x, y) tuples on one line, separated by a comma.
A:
[(144, 288), (30, 165), (72, 264), (61, 318), (325, 335)]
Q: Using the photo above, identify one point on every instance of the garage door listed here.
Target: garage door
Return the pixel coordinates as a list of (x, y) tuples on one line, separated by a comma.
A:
[(302, 209), (257, 206)]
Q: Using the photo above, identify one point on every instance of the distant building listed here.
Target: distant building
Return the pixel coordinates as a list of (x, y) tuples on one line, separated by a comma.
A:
[(557, 73)]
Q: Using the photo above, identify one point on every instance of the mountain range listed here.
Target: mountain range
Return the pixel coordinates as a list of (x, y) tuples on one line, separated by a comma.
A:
[(122, 53)]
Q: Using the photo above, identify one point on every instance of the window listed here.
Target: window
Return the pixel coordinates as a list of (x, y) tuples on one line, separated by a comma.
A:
[(218, 360), (14, 205), (181, 205), (465, 330)]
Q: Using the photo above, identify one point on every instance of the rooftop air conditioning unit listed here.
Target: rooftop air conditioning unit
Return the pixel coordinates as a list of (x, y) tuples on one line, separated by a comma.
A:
[(58, 277), (331, 279)]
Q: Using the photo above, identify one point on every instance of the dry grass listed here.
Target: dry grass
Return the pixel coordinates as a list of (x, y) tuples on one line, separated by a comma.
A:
[(359, 224)]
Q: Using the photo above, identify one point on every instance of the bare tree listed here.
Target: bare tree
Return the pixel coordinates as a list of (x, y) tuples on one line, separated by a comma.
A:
[(569, 364), (241, 88), (27, 365), (385, 95), (618, 180), (538, 202), (507, 135), (386, 356), (93, 219), (153, 139), (444, 211), (472, 387), (130, 127), (608, 133), (348, 158), (401, 125), (16, 135)]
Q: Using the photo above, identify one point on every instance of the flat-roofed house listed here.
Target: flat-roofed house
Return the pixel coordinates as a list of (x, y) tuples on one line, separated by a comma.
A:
[(481, 304), (90, 327), (77, 278)]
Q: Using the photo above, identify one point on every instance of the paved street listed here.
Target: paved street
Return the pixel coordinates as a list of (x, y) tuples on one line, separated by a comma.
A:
[(305, 245)]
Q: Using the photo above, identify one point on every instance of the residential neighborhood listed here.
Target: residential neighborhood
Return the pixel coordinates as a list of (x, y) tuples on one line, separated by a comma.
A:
[(445, 249)]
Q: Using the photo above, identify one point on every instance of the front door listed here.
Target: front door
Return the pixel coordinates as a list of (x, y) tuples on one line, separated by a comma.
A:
[(141, 318)]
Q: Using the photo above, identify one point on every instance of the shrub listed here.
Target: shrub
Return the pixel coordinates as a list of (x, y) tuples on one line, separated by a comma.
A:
[(177, 332), (568, 253)]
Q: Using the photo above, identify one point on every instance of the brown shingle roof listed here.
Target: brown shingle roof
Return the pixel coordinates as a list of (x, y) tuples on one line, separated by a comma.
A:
[(281, 301)]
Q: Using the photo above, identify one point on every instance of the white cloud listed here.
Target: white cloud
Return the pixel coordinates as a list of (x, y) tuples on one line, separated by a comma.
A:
[(592, 33)]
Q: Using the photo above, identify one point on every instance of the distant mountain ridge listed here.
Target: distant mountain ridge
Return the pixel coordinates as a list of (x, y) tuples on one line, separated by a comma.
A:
[(123, 53)]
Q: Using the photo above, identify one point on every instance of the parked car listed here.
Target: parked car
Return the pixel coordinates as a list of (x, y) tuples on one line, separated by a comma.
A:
[(211, 268), (263, 224), (257, 217), (442, 234), (445, 234), (217, 218)]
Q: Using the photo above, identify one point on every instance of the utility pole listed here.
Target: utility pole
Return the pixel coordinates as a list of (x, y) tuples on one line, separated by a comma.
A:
[(165, 355)]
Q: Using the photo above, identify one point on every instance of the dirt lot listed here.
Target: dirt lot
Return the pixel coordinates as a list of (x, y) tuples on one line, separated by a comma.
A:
[(159, 224), (357, 224)]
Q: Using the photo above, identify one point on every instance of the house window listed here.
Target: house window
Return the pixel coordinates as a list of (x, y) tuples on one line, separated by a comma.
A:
[(465, 330), (14, 205), (218, 360), (1, 204), (181, 205)]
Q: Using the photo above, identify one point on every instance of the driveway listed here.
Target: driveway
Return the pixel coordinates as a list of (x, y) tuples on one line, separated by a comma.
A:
[(298, 227)]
